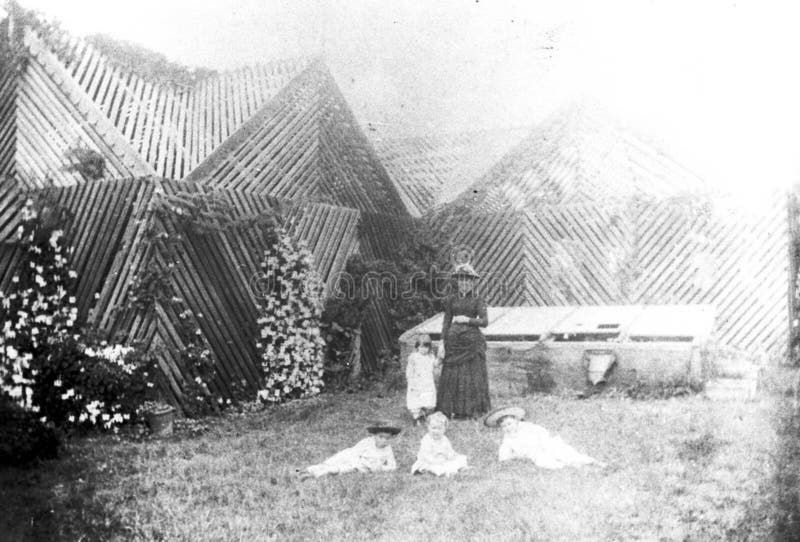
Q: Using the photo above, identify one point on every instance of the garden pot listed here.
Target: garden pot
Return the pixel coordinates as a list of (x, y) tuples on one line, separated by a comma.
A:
[(161, 421)]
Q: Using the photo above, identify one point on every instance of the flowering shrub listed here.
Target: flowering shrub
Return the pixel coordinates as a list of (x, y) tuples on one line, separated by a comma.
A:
[(289, 300), (39, 312), (83, 387), (45, 366)]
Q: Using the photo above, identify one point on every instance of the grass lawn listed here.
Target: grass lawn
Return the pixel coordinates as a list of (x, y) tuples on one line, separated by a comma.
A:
[(680, 469)]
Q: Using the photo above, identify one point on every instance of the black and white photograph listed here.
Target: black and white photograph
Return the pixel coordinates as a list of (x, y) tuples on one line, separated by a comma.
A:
[(408, 270)]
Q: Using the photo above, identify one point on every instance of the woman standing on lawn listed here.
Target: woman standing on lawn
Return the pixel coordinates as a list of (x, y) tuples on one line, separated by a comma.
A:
[(464, 385)]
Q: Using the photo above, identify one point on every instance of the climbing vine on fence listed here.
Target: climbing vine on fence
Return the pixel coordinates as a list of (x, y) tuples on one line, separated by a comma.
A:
[(289, 297), (166, 224)]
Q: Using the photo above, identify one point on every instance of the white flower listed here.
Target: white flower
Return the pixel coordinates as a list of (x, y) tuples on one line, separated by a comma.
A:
[(11, 352), (71, 299), (54, 236)]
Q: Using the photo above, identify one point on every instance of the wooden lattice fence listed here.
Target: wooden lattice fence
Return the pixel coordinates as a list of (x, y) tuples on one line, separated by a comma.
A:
[(281, 130), (684, 250), (214, 274)]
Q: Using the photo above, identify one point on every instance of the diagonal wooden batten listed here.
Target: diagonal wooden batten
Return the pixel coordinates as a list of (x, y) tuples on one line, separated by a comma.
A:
[(8, 118), (245, 132), (104, 128), (128, 121)]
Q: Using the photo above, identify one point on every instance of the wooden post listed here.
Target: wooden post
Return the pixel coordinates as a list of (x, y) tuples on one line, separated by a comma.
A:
[(792, 209)]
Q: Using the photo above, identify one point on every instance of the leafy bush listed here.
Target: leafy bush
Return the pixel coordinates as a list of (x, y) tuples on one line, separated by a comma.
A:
[(419, 266), (85, 387), (148, 64), (289, 300), (24, 438), (341, 321), (88, 163)]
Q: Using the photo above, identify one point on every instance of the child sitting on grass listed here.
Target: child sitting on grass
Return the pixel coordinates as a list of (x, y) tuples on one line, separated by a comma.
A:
[(436, 454), (421, 391), (524, 440), (372, 454)]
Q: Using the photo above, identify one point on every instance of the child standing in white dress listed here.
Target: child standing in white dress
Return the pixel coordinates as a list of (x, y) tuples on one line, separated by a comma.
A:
[(421, 392), (372, 454), (436, 454)]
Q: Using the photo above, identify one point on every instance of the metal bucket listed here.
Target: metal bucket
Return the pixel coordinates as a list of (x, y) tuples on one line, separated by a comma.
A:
[(599, 364)]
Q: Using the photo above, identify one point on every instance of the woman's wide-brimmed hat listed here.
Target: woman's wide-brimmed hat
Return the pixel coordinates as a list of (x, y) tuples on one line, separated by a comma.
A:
[(464, 270), (383, 427), (493, 418)]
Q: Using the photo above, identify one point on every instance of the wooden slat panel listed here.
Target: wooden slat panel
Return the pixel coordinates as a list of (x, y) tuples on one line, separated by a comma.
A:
[(8, 121), (744, 252)]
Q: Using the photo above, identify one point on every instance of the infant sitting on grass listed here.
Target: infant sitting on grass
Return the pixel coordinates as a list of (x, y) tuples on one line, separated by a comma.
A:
[(372, 454), (436, 454), (524, 440)]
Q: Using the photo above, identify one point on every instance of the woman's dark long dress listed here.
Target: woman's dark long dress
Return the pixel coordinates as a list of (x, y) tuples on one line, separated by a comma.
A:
[(464, 384)]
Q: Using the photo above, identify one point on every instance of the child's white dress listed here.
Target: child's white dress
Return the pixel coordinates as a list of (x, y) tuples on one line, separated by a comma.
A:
[(363, 457), (438, 457), (421, 392), (534, 442)]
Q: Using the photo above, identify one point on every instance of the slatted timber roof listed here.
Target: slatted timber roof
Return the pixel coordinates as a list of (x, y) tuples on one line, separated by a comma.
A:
[(173, 128), (579, 155), (431, 170), (281, 129)]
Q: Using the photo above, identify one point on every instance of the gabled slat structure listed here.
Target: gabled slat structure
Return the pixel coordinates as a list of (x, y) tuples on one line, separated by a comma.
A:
[(269, 141), (213, 271), (54, 116), (174, 128), (583, 214), (432, 170)]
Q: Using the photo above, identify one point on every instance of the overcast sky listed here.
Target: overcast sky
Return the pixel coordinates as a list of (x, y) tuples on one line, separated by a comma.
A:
[(716, 83)]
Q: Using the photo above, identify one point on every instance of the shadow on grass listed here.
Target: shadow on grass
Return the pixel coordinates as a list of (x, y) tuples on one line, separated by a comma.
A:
[(55, 501), (775, 513), (786, 481)]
